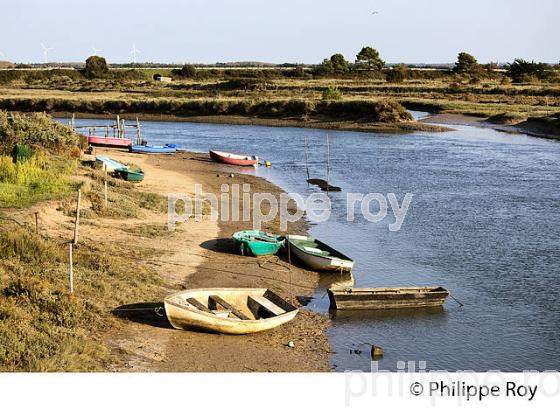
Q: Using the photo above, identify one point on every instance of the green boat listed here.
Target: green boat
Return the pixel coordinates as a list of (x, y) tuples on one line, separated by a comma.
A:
[(257, 243), (130, 175)]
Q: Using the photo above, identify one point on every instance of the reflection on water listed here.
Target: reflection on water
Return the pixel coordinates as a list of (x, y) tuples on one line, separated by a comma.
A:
[(484, 223)]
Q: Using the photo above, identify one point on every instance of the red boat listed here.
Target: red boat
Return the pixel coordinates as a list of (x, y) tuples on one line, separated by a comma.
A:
[(234, 159), (109, 141)]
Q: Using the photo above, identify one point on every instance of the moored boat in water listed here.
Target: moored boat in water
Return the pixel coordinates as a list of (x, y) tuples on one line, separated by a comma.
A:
[(257, 243), (387, 298), (234, 159), (228, 310), (318, 255)]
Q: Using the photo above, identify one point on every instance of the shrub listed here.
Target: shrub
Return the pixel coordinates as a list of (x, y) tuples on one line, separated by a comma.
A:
[(331, 93), (35, 130), (96, 67), (397, 74)]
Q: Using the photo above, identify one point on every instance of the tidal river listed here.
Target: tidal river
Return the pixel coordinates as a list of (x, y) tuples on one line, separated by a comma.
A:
[(484, 222)]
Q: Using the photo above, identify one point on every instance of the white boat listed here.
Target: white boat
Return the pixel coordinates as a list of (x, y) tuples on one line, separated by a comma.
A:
[(228, 310), (318, 255), (110, 164)]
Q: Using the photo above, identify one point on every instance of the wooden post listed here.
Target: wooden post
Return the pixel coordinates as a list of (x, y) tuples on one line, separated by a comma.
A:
[(36, 222), (289, 250), (328, 163), (307, 161), (77, 223), (118, 126), (71, 269), (138, 131)]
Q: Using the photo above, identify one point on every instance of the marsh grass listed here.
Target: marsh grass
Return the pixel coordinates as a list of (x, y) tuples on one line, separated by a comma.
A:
[(45, 328), (39, 178)]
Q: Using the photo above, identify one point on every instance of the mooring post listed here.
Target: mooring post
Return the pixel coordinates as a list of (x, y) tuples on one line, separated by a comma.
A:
[(71, 269), (306, 161), (328, 163), (77, 222), (105, 186)]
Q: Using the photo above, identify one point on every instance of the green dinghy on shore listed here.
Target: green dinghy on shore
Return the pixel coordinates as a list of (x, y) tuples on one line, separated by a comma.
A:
[(257, 243), (130, 175)]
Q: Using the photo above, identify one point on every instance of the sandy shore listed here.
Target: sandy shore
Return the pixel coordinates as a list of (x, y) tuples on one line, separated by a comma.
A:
[(200, 255)]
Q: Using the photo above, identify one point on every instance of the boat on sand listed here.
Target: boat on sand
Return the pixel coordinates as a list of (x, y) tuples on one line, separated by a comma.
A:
[(234, 159), (318, 255), (228, 310), (257, 243), (387, 298), (153, 149)]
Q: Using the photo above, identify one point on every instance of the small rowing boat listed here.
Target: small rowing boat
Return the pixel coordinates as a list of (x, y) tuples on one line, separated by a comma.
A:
[(109, 164), (257, 243), (153, 149), (318, 255), (228, 310), (108, 141), (387, 298), (234, 159), (130, 175)]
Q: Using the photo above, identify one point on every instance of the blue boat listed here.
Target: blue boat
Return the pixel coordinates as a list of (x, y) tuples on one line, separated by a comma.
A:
[(154, 149), (109, 164)]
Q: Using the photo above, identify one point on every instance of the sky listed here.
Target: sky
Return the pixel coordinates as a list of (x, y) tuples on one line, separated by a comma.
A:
[(296, 31)]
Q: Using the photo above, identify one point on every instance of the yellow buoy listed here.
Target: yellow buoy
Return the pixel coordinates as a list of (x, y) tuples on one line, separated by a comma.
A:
[(267, 164)]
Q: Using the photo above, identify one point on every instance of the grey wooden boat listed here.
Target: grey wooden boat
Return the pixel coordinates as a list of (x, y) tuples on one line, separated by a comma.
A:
[(387, 298)]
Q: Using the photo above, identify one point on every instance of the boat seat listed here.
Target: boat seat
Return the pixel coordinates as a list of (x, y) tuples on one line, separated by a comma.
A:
[(198, 305), (315, 251), (216, 300), (256, 302)]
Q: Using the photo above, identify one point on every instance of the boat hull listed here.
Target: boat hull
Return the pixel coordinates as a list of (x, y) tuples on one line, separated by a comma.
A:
[(319, 262), (148, 149), (109, 142), (183, 316), (243, 245), (110, 164), (234, 159), (387, 298), (131, 176)]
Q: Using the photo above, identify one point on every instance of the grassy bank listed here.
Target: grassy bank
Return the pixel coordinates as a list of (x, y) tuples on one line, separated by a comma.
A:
[(42, 326), (281, 95)]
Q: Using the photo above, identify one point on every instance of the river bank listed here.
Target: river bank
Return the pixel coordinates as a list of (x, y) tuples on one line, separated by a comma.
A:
[(327, 124), (534, 127), (202, 257)]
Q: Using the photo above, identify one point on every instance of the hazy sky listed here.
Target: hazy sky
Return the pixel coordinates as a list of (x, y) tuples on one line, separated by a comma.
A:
[(411, 31)]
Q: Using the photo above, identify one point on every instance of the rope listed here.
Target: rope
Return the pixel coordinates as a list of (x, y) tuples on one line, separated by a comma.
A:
[(460, 304)]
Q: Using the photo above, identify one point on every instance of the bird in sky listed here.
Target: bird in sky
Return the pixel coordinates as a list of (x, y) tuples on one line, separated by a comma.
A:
[(374, 12)]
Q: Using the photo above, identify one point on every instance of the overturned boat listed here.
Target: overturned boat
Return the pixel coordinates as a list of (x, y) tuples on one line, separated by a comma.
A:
[(228, 310)]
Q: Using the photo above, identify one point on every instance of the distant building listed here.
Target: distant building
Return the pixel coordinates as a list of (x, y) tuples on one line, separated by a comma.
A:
[(162, 79)]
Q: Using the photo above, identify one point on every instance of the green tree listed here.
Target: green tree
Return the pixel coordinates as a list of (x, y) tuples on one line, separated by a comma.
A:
[(369, 57), (335, 64), (521, 70), (466, 63), (96, 67), (187, 71)]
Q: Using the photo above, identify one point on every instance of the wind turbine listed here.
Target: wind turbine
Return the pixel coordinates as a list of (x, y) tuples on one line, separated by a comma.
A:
[(95, 50), (134, 52), (46, 52)]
